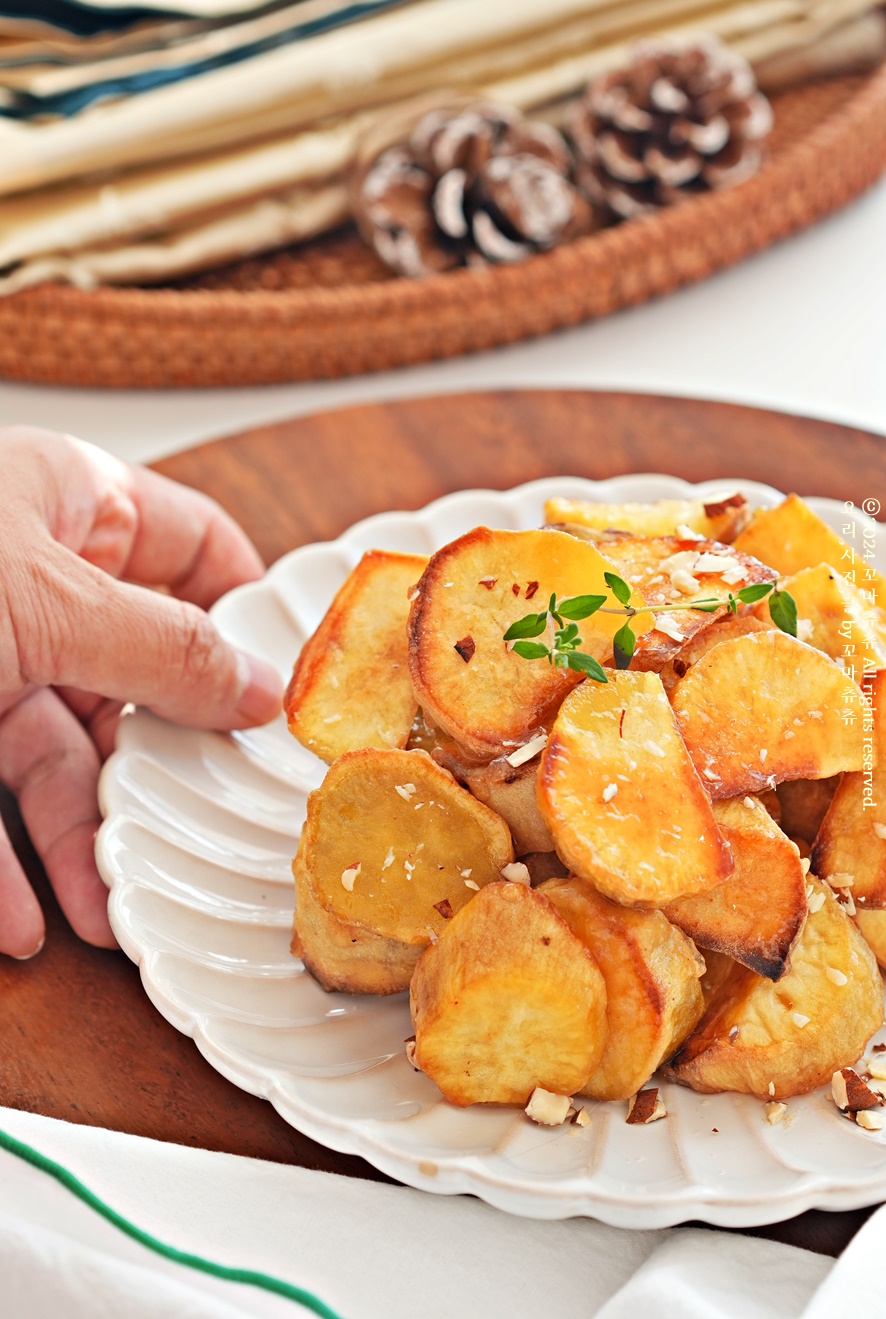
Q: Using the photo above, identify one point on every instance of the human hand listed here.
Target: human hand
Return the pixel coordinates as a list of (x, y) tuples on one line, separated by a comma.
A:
[(82, 535)]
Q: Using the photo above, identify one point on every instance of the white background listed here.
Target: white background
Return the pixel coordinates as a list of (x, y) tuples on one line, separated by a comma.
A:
[(801, 327)]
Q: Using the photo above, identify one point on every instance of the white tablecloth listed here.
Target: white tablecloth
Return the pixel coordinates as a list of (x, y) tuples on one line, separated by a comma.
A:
[(368, 1251)]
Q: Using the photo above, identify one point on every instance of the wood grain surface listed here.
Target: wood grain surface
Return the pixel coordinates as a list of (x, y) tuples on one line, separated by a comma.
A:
[(78, 1037)]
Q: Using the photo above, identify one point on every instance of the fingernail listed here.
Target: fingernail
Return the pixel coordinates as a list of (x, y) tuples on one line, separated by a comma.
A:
[(261, 689), (26, 957)]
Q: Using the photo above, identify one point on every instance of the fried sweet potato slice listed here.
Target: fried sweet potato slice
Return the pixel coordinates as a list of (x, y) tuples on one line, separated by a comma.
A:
[(873, 927), (343, 956), (850, 847), (465, 675), (777, 1040), (392, 847), (719, 518), (510, 790), (652, 973), (764, 708), (622, 799), (350, 686), (790, 537), (723, 628), (507, 999), (833, 616), (758, 913), (669, 571)]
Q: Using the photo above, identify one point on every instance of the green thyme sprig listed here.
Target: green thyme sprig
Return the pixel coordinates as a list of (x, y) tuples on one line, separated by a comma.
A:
[(565, 615)]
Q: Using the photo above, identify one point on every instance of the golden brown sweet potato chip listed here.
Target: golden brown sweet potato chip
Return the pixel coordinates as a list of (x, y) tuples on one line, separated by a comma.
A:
[(764, 708), (833, 616), (651, 970), (718, 518), (790, 537), (850, 847), (394, 847), (777, 1040), (724, 628), (465, 675), (668, 571), (758, 913), (351, 687), (622, 799), (873, 926), (507, 999)]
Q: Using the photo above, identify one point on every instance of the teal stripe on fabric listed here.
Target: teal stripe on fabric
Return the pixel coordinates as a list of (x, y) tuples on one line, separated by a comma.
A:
[(24, 105), (250, 1276)]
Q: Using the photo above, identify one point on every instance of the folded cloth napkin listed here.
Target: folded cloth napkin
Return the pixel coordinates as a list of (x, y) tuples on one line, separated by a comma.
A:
[(365, 1251)]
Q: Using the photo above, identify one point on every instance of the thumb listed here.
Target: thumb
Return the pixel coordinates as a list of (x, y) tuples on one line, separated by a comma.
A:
[(133, 644)]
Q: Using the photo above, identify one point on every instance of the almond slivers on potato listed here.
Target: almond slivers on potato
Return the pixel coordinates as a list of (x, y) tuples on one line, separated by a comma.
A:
[(795, 1034), (765, 707)]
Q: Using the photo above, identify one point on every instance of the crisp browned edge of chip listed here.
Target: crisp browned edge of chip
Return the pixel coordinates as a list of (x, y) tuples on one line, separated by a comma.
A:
[(313, 653), (471, 738)]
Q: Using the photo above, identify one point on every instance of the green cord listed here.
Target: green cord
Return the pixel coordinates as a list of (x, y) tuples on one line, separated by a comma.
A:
[(251, 1276)]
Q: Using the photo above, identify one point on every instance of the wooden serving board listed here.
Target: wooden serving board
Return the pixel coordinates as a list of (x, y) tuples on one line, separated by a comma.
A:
[(79, 1039)]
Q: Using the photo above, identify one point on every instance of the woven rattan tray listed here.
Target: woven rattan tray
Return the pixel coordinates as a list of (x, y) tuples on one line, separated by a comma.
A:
[(328, 309)]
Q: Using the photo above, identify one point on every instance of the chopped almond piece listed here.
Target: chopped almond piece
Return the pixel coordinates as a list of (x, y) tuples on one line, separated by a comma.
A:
[(646, 1107)]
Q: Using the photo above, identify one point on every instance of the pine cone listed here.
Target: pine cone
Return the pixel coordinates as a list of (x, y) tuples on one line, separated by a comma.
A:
[(470, 185), (678, 121)]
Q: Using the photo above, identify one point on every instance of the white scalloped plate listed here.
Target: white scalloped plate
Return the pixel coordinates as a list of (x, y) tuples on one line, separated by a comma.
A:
[(196, 846)]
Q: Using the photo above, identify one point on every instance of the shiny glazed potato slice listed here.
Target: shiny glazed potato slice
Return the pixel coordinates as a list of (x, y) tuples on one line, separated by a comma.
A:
[(795, 1034), (724, 628), (717, 518), (478, 690), (351, 687), (790, 537), (651, 971), (873, 927), (838, 620), (764, 708), (390, 837), (622, 799), (669, 571), (756, 916), (850, 847), (507, 999)]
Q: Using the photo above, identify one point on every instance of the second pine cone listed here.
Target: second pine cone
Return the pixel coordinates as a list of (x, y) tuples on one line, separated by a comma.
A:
[(677, 121)]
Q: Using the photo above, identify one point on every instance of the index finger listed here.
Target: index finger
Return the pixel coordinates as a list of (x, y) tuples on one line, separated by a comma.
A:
[(181, 538)]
